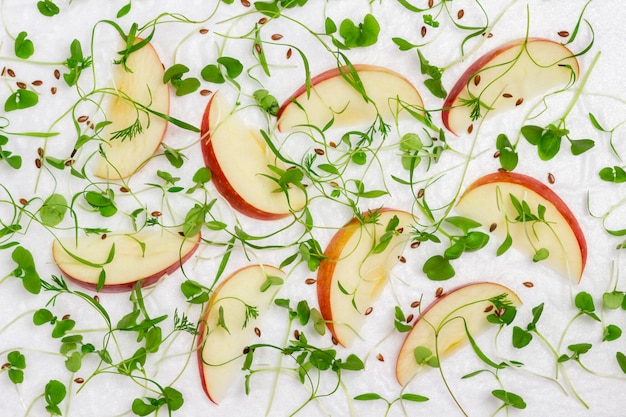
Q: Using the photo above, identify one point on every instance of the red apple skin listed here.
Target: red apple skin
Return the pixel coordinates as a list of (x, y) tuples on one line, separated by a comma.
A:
[(326, 268), (331, 73), (475, 67), (220, 181), (512, 295), (145, 282)]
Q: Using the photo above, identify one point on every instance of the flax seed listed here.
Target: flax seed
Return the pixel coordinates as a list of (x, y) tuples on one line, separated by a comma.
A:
[(104, 236), (477, 79), (423, 31), (21, 85), (507, 95), (40, 152), (528, 284), (496, 154), (82, 119), (38, 163), (69, 162), (79, 380), (519, 101), (53, 90), (380, 357), (319, 151), (23, 201), (156, 214), (409, 318), (96, 299), (296, 334), (493, 227), (205, 92), (288, 54), (460, 14), (551, 178), (277, 36), (10, 72), (66, 317), (334, 340), (488, 308), (420, 193), (245, 3), (470, 129), (257, 48), (402, 259), (431, 3), (310, 281), (204, 31), (563, 33), (262, 20), (257, 332), (124, 190), (415, 304), (415, 244), (439, 292), (57, 74)]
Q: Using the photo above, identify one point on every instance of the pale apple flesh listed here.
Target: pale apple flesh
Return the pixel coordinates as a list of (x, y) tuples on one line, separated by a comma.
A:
[(146, 256), (441, 327), (332, 97), (220, 349), (351, 277), (141, 83), (238, 159), (488, 201), (507, 76)]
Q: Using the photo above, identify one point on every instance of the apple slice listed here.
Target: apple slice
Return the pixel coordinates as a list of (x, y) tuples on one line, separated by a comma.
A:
[(355, 269), (238, 159), (141, 82), (332, 96), (441, 326), (488, 200), (503, 78), (220, 349), (145, 256)]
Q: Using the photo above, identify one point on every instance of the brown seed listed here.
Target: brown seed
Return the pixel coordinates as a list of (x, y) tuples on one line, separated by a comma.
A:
[(23, 201), (563, 33), (40, 152), (288, 54), (257, 332), (82, 119), (245, 3), (420, 193), (423, 31), (507, 95), (431, 3), (204, 31), (496, 154), (4, 71), (332, 144), (477, 79), (310, 281), (400, 230), (551, 178), (380, 357), (460, 14), (319, 151), (402, 259), (205, 92), (519, 101), (156, 214), (415, 304), (92, 126), (53, 90), (409, 318), (334, 340), (296, 334), (10, 72), (21, 85), (57, 74), (246, 350), (38, 163), (488, 308), (415, 244), (493, 227), (181, 234), (528, 284), (79, 380), (69, 162), (277, 36), (257, 48), (470, 128), (439, 292), (369, 311), (124, 190), (65, 317), (5, 365), (262, 20), (334, 184), (103, 236), (96, 299), (490, 35)]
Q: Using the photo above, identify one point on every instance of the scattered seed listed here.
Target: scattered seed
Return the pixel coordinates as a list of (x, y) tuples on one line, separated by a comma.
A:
[(181, 234), (82, 119), (104, 236), (477, 79), (420, 193), (369, 311), (204, 31), (496, 154), (23, 201), (490, 35), (493, 227), (319, 151), (551, 178), (10, 72), (96, 299), (470, 128), (334, 340), (563, 33), (38, 163), (310, 281), (205, 92), (4, 71), (246, 350), (380, 357), (79, 380), (415, 304), (73, 152), (65, 317), (262, 20), (519, 101), (40, 152), (415, 244), (334, 184), (156, 214), (460, 14), (296, 334), (409, 318), (332, 144), (402, 259), (434, 139), (257, 332), (431, 3), (277, 36), (69, 162), (257, 48), (21, 85), (423, 32), (528, 284), (57, 74), (289, 52), (53, 90), (245, 3), (439, 292), (507, 95), (92, 126), (489, 308), (6, 365), (124, 190)]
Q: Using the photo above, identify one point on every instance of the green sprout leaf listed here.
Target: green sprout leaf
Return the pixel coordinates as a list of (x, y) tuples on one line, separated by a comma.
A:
[(26, 270), (24, 47), (266, 101), (438, 268), (21, 99), (47, 8), (365, 34), (509, 399), (53, 210)]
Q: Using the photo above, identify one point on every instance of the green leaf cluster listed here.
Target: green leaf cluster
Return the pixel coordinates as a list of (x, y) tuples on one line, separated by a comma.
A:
[(16, 363), (14, 161), (182, 86), (548, 140)]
